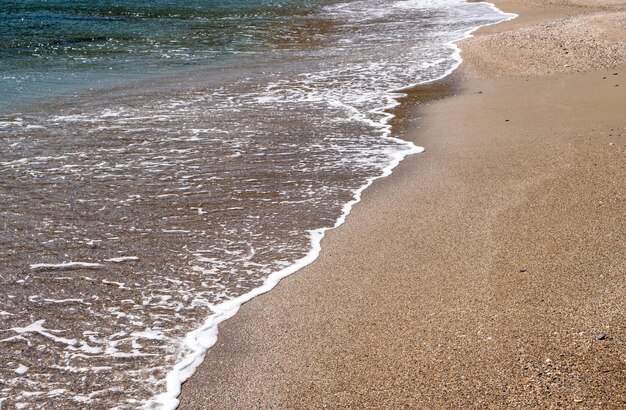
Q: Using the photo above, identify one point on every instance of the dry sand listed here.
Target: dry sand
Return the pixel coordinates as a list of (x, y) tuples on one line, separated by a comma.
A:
[(557, 39), (480, 274)]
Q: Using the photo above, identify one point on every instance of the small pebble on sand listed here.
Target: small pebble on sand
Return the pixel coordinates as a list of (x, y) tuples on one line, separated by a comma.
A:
[(522, 269), (601, 336)]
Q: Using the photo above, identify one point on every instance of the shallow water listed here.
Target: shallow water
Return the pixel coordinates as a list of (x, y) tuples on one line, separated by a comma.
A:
[(129, 212), (52, 47)]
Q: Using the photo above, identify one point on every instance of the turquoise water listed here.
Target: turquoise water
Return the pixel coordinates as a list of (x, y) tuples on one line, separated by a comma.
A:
[(59, 46)]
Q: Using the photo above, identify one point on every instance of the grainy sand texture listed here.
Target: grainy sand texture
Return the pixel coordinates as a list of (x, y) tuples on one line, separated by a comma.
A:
[(575, 39), (487, 272)]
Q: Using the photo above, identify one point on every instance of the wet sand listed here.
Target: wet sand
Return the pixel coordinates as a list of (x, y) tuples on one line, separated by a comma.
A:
[(487, 272)]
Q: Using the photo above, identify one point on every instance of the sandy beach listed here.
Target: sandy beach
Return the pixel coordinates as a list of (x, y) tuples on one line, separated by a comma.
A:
[(487, 272)]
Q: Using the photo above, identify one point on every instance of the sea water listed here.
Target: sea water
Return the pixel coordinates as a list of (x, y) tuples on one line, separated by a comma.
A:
[(164, 161)]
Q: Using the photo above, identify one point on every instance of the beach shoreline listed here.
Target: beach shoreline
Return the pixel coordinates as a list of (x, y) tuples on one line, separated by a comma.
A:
[(141, 213), (482, 273)]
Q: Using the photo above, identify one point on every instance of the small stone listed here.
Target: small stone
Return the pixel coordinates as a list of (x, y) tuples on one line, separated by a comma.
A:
[(578, 400), (601, 336), (507, 120), (480, 92), (522, 269)]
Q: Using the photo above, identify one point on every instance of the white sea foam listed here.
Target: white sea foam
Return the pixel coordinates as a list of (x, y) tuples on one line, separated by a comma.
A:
[(120, 285), (197, 342), (122, 259), (65, 265), (37, 327), (65, 301)]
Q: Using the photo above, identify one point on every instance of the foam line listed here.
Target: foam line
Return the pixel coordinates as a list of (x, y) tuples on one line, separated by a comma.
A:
[(57, 266), (198, 341), (122, 259), (37, 327)]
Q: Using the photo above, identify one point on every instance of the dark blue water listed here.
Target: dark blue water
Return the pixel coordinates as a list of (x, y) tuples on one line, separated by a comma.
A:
[(49, 47)]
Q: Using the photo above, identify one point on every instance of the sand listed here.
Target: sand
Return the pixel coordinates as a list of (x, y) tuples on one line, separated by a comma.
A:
[(483, 272), (544, 41)]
